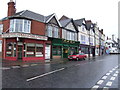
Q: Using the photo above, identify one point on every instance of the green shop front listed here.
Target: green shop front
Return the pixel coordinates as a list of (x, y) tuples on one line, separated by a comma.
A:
[(61, 48)]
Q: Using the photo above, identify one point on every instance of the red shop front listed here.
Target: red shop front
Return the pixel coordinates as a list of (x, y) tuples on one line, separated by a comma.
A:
[(25, 47)]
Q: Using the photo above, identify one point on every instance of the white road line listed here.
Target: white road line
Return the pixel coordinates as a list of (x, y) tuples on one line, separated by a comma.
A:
[(107, 74), (113, 69), (34, 64), (116, 72), (95, 87), (77, 64), (104, 77), (44, 74), (105, 88), (116, 67), (112, 78), (115, 75), (110, 71), (100, 82), (109, 83), (25, 65), (15, 66), (5, 68)]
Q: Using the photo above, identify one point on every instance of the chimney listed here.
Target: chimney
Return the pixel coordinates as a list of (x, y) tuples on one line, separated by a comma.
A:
[(113, 37), (11, 8)]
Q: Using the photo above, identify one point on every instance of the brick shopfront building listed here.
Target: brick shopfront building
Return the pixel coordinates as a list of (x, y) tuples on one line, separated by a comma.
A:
[(25, 34)]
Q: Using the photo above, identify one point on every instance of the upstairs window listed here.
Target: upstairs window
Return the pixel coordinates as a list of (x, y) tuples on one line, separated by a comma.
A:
[(1, 28), (52, 31), (20, 25)]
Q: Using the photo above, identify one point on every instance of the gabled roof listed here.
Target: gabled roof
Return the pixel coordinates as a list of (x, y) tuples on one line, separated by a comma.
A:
[(88, 24), (64, 22), (48, 18), (79, 22)]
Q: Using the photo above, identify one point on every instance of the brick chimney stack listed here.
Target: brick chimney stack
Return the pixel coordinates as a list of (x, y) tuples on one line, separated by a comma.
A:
[(11, 8)]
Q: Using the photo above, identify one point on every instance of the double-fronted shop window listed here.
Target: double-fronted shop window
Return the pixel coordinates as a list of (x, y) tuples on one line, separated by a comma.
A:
[(33, 50), (57, 50)]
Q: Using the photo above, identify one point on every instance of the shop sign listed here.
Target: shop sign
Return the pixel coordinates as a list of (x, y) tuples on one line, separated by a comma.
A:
[(23, 35)]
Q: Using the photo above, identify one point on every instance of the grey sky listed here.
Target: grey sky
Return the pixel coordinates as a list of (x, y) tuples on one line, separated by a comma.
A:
[(104, 12)]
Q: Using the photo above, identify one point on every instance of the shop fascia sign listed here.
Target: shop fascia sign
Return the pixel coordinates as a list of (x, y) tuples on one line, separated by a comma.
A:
[(23, 35)]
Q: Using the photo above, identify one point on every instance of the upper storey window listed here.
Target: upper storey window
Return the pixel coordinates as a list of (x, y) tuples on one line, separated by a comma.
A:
[(20, 25)]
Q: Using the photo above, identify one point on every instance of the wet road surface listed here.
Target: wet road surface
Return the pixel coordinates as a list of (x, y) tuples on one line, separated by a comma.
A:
[(73, 74)]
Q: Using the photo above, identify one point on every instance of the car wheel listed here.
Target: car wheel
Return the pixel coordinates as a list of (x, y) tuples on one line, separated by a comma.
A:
[(83, 58), (77, 58)]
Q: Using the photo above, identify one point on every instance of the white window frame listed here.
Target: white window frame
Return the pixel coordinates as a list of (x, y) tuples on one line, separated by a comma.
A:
[(15, 23)]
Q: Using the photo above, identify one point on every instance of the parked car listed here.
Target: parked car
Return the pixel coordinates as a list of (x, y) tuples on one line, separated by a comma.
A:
[(77, 56)]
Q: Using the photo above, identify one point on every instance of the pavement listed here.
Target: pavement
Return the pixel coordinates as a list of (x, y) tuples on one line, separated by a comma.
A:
[(7, 63)]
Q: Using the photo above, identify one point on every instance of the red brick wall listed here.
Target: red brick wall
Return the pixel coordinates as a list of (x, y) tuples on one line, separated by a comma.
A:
[(37, 28)]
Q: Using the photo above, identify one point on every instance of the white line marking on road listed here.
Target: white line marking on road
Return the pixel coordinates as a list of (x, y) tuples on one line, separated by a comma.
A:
[(44, 74), (15, 66), (107, 74), (25, 65), (105, 88), (109, 84), (115, 75), (95, 87), (34, 64), (4, 68), (100, 82), (116, 67), (77, 64), (116, 72), (113, 69), (104, 77), (110, 71), (112, 78)]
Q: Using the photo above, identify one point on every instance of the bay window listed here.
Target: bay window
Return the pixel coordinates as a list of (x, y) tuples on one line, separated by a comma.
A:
[(20, 25), (1, 28)]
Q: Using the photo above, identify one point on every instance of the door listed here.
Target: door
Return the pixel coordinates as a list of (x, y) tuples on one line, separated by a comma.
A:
[(65, 53), (47, 51), (20, 52)]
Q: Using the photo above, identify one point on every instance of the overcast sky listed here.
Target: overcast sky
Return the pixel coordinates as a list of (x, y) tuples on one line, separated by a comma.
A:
[(104, 12)]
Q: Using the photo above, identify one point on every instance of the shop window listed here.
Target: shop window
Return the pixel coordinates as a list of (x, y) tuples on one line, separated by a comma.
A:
[(11, 49), (56, 50), (30, 50), (34, 50), (39, 50)]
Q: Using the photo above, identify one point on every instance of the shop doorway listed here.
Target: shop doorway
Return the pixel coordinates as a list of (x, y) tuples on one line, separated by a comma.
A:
[(20, 49), (47, 52), (65, 53)]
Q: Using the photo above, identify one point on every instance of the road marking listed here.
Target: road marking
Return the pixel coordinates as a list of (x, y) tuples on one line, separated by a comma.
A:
[(100, 82), (107, 74), (112, 78), (115, 75), (104, 77), (116, 72), (44, 74), (109, 84), (95, 87), (34, 64), (4, 68), (105, 88), (15, 66), (110, 71), (116, 67), (25, 65), (113, 69), (77, 64)]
